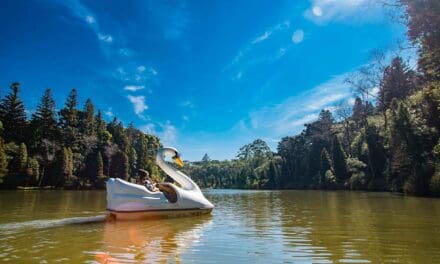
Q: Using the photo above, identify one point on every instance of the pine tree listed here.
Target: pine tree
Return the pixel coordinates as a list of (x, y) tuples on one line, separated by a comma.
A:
[(326, 165), (44, 119), (359, 115), (397, 82), (376, 158), (69, 121), (206, 158), (142, 151), (99, 166), (104, 137), (13, 116), (339, 161), (132, 161), (125, 166), (88, 119), (67, 164)]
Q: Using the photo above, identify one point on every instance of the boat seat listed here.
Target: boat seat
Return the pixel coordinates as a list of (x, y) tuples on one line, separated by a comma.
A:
[(168, 191)]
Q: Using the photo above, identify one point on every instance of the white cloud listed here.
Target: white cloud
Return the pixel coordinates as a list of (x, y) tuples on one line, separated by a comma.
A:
[(246, 51), (148, 128), (262, 37), (141, 68), (322, 11), (187, 103), (105, 38), (375, 91), (185, 118), (126, 52), (90, 19), (138, 104), (288, 117), (317, 11), (166, 132), (134, 88), (298, 36), (109, 112), (153, 71)]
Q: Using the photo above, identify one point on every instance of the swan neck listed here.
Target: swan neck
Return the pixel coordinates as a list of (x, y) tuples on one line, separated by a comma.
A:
[(186, 182)]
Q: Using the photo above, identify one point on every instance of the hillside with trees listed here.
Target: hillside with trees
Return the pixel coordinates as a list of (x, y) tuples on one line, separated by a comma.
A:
[(71, 148), (388, 140)]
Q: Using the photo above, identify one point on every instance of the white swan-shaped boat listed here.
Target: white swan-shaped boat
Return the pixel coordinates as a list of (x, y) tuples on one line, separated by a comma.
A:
[(128, 201)]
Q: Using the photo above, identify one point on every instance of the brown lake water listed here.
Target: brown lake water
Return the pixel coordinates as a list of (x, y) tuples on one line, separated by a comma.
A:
[(245, 227)]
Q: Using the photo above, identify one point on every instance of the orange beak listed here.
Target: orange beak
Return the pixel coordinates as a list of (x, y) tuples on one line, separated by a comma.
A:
[(178, 161)]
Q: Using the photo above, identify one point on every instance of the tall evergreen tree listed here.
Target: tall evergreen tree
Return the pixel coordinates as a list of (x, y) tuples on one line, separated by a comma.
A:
[(339, 162), (104, 137), (99, 166), (376, 158), (359, 112), (69, 121), (88, 119), (397, 82), (13, 116), (326, 165), (44, 120)]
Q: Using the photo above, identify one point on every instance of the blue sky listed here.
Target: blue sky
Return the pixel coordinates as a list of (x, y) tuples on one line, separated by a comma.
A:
[(205, 76)]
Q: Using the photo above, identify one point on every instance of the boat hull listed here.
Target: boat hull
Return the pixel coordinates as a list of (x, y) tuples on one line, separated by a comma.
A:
[(154, 214)]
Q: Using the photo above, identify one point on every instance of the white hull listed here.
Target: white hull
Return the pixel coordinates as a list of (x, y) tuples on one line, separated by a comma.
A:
[(128, 201), (154, 214)]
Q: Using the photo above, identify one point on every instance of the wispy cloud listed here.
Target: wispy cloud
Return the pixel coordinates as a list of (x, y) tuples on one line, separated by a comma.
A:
[(83, 13), (322, 11), (289, 116), (134, 77), (251, 54), (90, 19), (139, 104), (165, 131), (187, 103), (298, 36), (134, 88), (125, 52), (174, 17), (109, 112), (105, 38), (262, 37)]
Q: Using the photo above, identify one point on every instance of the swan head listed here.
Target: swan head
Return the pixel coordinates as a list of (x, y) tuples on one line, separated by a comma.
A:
[(173, 153)]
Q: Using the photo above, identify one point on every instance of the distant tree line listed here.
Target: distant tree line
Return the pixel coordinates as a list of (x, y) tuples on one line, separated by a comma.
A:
[(72, 148), (388, 141)]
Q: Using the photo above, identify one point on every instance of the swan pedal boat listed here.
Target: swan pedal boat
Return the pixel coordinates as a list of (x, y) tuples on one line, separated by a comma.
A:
[(129, 201)]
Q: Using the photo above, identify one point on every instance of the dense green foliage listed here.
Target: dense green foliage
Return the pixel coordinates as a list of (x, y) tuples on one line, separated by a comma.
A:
[(71, 148), (389, 141)]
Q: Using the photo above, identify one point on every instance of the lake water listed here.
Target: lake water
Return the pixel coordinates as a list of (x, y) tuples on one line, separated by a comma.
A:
[(245, 227)]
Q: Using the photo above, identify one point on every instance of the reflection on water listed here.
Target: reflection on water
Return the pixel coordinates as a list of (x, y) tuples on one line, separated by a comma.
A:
[(245, 226), (153, 241)]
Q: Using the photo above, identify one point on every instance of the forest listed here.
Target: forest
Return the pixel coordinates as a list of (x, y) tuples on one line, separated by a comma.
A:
[(72, 149), (388, 140)]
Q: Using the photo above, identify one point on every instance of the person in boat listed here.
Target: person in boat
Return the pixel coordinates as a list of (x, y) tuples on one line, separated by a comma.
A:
[(151, 186), (147, 181)]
